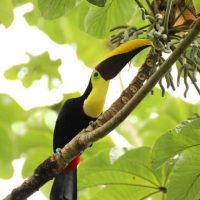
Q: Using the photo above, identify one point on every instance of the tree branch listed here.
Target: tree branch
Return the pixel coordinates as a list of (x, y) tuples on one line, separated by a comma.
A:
[(109, 120)]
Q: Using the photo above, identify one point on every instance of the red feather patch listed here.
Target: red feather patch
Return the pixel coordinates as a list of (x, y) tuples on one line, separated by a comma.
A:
[(73, 164)]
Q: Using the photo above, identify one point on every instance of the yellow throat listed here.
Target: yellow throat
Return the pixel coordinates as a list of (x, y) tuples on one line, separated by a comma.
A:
[(94, 104)]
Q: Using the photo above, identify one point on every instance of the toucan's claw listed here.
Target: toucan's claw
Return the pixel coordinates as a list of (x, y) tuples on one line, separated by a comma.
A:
[(92, 124), (59, 152)]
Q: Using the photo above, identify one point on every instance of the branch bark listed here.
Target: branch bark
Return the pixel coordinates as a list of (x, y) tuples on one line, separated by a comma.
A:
[(109, 120)]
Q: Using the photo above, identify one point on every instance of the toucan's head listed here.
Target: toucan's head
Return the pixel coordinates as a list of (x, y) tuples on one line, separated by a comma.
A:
[(107, 69)]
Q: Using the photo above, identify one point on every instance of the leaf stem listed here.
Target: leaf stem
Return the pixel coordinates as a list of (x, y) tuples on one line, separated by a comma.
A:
[(141, 6), (167, 14), (150, 6), (194, 83), (150, 194)]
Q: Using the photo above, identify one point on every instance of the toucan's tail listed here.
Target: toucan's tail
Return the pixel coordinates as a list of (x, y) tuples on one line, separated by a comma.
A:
[(64, 186)]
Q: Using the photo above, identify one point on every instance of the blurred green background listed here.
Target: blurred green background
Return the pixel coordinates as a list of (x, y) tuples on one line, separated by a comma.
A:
[(120, 165)]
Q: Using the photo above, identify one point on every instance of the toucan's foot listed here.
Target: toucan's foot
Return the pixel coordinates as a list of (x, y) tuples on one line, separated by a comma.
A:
[(59, 152), (92, 124)]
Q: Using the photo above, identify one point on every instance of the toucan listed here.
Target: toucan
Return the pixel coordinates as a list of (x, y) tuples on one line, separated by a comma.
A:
[(77, 113)]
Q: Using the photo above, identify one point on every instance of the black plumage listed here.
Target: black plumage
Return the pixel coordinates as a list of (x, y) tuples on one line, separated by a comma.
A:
[(71, 120)]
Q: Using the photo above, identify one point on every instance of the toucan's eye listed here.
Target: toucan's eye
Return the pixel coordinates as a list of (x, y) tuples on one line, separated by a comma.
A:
[(96, 74)]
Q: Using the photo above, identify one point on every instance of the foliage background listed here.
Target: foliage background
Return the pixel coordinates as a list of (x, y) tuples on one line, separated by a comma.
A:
[(144, 164)]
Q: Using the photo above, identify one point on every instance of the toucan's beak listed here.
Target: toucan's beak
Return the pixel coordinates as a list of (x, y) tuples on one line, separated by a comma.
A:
[(119, 57)]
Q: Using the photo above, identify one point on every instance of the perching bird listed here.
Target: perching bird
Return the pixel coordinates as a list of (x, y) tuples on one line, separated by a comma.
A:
[(76, 113)]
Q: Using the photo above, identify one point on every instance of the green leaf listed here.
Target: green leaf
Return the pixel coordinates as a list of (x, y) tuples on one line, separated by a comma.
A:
[(11, 111), (52, 9), (96, 147), (35, 69), (120, 192), (148, 121), (87, 194), (17, 3), (185, 180), (100, 3), (46, 188), (97, 162), (67, 31), (140, 59), (6, 154), (196, 5), (39, 124), (171, 143), (6, 13), (154, 128), (128, 175), (32, 140), (98, 21), (138, 162)]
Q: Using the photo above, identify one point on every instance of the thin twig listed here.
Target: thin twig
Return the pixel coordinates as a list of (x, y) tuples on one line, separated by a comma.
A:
[(150, 6), (141, 6), (167, 14), (194, 83), (156, 7), (118, 27)]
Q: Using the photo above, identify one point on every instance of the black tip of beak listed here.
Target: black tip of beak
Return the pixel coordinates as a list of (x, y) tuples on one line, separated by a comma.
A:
[(111, 66)]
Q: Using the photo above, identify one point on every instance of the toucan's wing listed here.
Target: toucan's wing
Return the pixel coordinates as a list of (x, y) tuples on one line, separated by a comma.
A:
[(62, 126)]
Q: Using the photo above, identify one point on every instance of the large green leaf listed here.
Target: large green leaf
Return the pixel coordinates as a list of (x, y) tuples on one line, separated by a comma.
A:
[(39, 124), (127, 192), (65, 30), (52, 9), (196, 5), (148, 121), (173, 143), (100, 3), (185, 180), (6, 152), (10, 113), (87, 194), (46, 188), (154, 128), (97, 162), (167, 105), (17, 3), (6, 12), (10, 110), (24, 133), (98, 21), (37, 67), (138, 162), (32, 140), (129, 175), (105, 142)]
